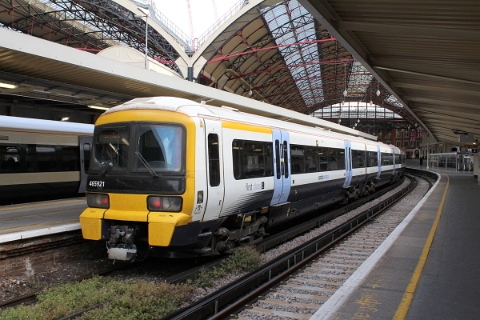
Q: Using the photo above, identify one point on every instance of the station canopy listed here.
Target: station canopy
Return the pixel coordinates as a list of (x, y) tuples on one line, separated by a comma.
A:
[(272, 51)]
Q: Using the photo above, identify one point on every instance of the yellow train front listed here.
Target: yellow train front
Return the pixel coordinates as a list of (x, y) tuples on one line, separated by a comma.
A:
[(141, 182)]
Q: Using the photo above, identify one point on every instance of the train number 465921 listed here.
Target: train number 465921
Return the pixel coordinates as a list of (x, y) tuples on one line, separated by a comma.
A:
[(96, 184)]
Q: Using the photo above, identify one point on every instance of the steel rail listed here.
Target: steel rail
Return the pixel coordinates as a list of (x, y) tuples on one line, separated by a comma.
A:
[(246, 289)]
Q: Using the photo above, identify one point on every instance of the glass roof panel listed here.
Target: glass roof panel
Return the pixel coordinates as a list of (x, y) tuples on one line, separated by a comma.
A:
[(291, 23), (355, 110)]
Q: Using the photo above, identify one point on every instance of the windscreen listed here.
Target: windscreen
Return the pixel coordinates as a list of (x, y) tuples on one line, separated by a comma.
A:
[(161, 146), (111, 148), (138, 147)]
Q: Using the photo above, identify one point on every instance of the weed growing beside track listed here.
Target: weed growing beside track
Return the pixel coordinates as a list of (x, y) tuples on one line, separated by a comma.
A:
[(107, 298)]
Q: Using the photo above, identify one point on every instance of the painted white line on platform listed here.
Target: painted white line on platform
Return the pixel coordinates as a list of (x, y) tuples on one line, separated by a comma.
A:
[(38, 233)]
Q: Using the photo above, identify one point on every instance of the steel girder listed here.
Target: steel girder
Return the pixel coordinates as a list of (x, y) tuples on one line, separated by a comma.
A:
[(88, 25)]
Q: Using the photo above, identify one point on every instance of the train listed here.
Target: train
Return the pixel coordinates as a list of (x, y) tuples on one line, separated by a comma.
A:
[(42, 159), (176, 178)]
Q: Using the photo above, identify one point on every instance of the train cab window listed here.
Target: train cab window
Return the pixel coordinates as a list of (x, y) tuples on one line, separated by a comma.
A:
[(160, 146), (213, 160), (9, 159), (40, 158), (111, 149)]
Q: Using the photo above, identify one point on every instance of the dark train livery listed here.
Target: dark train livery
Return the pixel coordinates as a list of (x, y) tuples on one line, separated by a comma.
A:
[(178, 177), (42, 159)]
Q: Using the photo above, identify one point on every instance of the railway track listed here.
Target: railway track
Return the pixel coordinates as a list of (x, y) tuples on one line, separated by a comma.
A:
[(294, 261), (280, 291)]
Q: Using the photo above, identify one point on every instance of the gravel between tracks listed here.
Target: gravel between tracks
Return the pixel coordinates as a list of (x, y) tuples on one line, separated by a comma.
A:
[(11, 287)]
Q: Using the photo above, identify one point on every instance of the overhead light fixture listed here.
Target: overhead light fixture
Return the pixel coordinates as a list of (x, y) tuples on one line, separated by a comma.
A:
[(99, 107), (378, 92), (65, 118), (8, 85)]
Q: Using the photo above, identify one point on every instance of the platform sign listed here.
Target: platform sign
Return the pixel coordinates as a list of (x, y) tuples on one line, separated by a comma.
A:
[(471, 147)]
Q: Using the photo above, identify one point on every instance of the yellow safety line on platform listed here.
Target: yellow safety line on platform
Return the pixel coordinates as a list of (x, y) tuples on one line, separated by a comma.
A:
[(404, 306)]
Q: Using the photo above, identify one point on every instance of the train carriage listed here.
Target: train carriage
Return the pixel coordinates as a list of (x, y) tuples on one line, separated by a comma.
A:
[(42, 159), (177, 177)]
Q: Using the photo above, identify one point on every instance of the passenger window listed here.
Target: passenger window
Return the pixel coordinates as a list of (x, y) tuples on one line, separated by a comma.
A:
[(298, 159), (41, 159), (253, 159), (69, 159), (323, 154), (340, 159), (213, 160), (358, 159), (9, 159), (310, 159), (268, 160), (372, 159), (237, 159)]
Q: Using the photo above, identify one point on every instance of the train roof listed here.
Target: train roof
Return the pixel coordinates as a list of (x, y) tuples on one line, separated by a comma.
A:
[(174, 103), (41, 125), (193, 108)]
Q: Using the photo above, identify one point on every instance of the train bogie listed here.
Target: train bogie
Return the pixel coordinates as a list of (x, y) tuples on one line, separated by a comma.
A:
[(184, 178)]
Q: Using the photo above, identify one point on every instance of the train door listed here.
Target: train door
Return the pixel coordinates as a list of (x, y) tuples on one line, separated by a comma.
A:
[(379, 161), (348, 164), (215, 182), (85, 145), (281, 167)]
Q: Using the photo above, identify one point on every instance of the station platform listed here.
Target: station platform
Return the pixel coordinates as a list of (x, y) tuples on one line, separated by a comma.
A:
[(36, 219), (428, 268)]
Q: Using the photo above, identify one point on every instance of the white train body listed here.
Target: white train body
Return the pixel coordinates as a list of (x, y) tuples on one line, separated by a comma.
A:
[(230, 175), (42, 159)]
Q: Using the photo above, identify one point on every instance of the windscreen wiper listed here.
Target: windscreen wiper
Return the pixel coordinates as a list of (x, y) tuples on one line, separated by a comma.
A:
[(145, 163), (109, 162)]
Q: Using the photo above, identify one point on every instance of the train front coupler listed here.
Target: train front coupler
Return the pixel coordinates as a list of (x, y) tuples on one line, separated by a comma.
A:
[(121, 245)]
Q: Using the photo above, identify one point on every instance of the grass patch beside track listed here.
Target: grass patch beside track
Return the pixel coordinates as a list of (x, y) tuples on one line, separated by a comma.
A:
[(107, 298)]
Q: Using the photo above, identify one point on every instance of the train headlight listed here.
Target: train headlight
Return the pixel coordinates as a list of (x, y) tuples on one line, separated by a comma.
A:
[(170, 204), (98, 200)]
